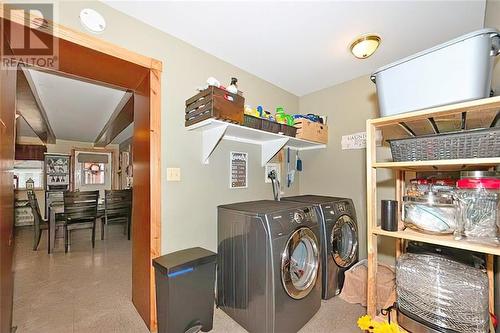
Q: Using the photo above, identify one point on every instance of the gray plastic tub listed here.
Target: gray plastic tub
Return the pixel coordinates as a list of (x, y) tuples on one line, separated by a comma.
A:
[(456, 71)]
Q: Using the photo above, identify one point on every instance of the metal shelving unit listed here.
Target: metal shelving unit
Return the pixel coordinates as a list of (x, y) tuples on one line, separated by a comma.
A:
[(476, 114)]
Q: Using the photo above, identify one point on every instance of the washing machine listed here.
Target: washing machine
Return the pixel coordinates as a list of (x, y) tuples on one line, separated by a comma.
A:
[(268, 264), (339, 239)]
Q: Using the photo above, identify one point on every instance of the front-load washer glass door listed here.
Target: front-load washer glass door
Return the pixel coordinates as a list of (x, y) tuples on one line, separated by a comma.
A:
[(299, 263), (344, 240)]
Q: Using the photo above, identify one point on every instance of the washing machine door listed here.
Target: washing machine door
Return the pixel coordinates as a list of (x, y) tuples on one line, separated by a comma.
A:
[(344, 241), (299, 263)]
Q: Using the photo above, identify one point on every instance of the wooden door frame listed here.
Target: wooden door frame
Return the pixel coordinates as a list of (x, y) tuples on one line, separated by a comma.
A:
[(8, 78), (89, 51)]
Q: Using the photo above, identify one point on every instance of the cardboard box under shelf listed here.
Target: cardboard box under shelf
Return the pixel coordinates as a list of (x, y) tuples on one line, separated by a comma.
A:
[(215, 103), (312, 131)]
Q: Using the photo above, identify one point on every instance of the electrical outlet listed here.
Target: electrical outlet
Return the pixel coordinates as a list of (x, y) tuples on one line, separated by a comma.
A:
[(173, 174), (270, 167)]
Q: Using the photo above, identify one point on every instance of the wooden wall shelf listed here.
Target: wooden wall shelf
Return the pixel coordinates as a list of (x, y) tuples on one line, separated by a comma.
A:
[(473, 114), (213, 131)]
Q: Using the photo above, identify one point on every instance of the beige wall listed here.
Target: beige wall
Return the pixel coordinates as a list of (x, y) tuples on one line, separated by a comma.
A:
[(343, 172), (189, 206)]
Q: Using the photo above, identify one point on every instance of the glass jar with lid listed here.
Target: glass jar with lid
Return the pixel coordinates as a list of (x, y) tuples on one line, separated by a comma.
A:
[(477, 200), (431, 212)]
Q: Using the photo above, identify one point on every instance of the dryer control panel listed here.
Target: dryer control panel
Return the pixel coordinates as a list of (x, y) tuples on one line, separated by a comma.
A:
[(334, 210), (337, 208)]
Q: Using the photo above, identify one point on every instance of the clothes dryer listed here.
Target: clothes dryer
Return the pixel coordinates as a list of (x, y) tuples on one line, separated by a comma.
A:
[(339, 238)]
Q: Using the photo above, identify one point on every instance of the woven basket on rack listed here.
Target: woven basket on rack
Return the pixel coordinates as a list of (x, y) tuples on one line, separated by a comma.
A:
[(475, 143)]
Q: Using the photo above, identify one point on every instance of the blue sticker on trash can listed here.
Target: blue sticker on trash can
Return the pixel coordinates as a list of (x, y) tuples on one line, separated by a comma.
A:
[(181, 272)]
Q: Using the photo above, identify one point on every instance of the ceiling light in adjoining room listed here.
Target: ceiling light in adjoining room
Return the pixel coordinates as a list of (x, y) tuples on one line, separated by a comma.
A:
[(364, 46), (92, 20)]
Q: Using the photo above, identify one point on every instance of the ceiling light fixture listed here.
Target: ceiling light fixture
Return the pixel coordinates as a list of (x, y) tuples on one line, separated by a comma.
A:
[(92, 20), (364, 46)]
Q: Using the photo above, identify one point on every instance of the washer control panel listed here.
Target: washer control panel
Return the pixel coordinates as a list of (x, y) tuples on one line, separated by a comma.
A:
[(342, 207), (283, 222), (300, 216)]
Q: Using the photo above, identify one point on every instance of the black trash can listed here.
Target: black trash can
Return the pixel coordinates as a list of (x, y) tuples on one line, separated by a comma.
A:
[(185, 282)]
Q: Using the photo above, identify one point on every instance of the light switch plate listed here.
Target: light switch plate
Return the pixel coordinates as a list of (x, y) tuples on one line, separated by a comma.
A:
[(173, 174)]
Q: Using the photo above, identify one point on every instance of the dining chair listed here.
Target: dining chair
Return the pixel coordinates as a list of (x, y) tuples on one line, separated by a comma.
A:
[(80, 212), (117, 209), (40, 224)]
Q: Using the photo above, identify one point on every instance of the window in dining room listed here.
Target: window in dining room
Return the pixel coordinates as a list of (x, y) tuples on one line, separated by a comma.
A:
[(93, 173)]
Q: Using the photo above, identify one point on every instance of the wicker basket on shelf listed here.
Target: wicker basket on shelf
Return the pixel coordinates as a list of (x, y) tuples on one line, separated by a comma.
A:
[(476, 143)]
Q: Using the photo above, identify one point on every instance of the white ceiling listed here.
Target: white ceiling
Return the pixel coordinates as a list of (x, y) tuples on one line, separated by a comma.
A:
[(76, 110), (303, 46)]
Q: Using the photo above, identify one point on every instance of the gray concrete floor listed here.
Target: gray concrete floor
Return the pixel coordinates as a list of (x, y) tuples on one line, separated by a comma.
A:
[(90, 290)]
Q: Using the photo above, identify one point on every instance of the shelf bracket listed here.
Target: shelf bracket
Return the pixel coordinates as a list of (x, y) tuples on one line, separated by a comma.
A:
[(211, 138), (271, 148)]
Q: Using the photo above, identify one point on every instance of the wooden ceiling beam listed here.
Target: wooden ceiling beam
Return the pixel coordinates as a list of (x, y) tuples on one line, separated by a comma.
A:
[(29, 106), (120, 119)]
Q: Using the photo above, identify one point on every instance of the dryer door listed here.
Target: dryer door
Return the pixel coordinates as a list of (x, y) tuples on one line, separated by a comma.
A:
[(344, 240), (299, 263)]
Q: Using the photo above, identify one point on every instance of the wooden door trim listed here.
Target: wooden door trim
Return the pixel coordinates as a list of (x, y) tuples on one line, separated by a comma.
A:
[(84, 40), (154, 69), (155, 179)]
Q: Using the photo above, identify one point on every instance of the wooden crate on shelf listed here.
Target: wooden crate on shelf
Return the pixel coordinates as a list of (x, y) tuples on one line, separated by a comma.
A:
[(312, 131), (215, 103)]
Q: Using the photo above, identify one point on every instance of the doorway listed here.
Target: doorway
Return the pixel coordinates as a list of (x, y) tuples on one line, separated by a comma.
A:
[(90, 59)]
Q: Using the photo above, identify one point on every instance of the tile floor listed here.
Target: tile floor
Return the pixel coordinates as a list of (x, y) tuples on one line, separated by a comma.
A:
[(81, 291), (90, 291)]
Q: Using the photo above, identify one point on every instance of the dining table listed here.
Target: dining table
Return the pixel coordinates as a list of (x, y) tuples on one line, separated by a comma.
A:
[(56, 208)]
